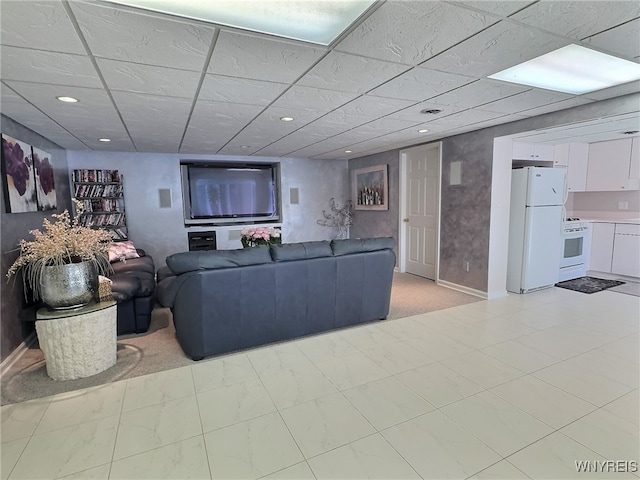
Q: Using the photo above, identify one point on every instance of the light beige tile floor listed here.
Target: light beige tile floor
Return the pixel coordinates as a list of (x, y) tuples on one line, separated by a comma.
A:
[(519, 387)]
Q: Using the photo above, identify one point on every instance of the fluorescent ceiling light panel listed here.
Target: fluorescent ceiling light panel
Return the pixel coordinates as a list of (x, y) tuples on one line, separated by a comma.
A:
[(315, 21), (572, 69)]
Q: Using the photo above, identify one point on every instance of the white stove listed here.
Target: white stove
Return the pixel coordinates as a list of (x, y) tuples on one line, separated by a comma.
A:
[(574, 225), (576, 245)]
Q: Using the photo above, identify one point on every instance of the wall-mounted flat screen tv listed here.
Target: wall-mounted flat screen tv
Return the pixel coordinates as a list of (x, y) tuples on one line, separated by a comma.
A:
[(228, 193)]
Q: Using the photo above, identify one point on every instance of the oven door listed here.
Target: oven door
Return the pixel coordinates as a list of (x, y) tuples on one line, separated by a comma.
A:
[(574, 248)]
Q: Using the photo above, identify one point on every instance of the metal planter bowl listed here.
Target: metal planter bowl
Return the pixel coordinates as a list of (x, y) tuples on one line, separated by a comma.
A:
[(68, 286)]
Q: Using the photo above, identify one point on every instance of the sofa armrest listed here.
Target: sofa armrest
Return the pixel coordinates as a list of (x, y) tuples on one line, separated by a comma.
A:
[(167, 288)]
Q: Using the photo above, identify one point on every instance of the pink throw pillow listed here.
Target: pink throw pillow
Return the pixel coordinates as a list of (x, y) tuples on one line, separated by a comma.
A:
[(121, 251)]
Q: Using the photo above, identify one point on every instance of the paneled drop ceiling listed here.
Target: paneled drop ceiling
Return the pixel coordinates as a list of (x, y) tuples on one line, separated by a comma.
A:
[(154, 83)]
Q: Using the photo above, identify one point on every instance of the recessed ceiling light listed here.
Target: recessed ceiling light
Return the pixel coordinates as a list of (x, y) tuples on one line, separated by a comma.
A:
[(67, 99), (104, 139), (347, 151), (315, 22), (423, 130), (245, 146), (572, 69), (286, 119), (431, 111)]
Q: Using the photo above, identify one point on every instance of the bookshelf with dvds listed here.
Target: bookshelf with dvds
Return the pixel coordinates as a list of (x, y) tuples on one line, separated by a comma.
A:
[(102, 193)]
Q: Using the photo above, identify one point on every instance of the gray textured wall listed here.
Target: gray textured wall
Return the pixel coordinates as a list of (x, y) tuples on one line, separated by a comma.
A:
[(161, 231), (378, 223), (464, 223), (16, 226)]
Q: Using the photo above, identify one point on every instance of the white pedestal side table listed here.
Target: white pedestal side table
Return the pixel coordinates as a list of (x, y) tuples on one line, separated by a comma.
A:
[(80, 342)]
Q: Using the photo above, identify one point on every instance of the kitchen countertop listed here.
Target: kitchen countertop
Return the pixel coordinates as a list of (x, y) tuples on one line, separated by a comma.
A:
[(632, 221), (632, 217)]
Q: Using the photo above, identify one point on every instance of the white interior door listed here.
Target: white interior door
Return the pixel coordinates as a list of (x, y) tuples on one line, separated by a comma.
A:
[(420, 223)]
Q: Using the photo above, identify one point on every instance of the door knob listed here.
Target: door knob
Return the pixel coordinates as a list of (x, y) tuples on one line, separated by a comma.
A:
[(406, 220)]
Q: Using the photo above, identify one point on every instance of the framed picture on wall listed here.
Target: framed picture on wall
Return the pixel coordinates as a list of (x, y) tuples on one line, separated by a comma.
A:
[(370, 188), (18, 176), (45, 186)]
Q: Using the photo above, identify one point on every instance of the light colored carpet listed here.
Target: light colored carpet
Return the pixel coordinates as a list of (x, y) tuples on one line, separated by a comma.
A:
[(158, 349)]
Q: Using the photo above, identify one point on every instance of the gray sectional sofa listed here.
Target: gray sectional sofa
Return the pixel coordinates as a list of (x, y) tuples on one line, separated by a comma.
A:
[(227, 300)]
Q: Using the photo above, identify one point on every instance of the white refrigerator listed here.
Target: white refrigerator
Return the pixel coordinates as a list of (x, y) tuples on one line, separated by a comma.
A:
[(535, 228)]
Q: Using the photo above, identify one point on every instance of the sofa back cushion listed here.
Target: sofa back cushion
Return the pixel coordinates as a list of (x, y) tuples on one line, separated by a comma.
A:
[(300, 251), (214, 259), (358, 245)]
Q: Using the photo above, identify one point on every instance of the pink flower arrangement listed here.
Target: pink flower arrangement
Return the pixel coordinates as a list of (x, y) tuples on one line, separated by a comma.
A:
[(252, 237)]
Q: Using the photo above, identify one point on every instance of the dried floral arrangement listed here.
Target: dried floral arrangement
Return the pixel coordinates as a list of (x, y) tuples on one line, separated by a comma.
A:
[(339, 217), (63, 241)]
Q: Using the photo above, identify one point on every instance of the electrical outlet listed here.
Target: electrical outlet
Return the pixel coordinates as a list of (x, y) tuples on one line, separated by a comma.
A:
[(465, 265), (623, 205)]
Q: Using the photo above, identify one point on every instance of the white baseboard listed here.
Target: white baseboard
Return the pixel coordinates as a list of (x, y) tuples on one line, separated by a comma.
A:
[(612, 276), (18, 352), (463, 289)]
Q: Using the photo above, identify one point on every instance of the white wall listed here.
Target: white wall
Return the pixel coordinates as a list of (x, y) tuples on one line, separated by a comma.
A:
[(161, 231)]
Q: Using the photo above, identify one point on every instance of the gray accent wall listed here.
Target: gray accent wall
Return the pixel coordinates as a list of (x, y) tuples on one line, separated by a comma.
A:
[(161, 231), (17, 318), (465, 210)]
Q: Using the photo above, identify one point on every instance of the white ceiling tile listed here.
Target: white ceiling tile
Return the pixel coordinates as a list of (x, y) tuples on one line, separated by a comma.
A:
[(533, 98), (152, 109), (90, 99), (319, 99), (38, 25), (496, 48), (350, 73), (623, 40), (316, 149), (15, 107), (554, 107), (420, 84), (426, 31), (504, 8), (414, 114), (578, 19), (291, 142), (336, 122), (478, 93), (249, 56), (142, 38), (240, 90), (133, 77), (120, 141), (213, 124), (466, 117), (372, 106), (625, 89), (47, 67)]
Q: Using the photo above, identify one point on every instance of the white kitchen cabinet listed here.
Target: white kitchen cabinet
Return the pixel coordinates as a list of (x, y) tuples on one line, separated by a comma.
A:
[(609, 165), (634, 168), (602, 235), (533, 151), (626, 250), (561, 155), (577, 164)]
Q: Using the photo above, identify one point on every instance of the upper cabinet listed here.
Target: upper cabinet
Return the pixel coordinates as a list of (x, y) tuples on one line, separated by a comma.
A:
[(533, 151), (610, 166), (575, 157)]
